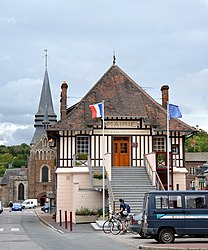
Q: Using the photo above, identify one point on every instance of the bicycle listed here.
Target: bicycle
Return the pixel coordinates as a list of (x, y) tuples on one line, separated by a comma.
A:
[(108, 224), (116, 226)]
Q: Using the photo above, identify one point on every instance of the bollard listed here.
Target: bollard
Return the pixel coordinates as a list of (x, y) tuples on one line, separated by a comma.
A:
[(60, 218), (70, 221), (65, 219)]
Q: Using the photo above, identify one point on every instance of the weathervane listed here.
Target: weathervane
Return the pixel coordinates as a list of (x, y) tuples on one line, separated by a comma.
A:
[(46, 58), (114, 58)]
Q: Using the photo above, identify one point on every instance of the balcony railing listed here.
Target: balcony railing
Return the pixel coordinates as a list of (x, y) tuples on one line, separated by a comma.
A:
[(82, 160)]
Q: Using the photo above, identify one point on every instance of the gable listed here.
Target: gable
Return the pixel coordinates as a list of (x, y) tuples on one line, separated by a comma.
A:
[(123, 98)]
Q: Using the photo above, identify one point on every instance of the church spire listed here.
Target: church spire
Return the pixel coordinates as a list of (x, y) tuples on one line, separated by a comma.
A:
[(46, 58), (45, 115)]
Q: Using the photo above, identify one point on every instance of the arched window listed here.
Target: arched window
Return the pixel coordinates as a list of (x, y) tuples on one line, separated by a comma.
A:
[(44, 174), (21, 192), (45, 142)]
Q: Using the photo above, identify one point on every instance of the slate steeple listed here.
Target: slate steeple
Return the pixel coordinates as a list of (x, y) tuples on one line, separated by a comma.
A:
[(45, 116)]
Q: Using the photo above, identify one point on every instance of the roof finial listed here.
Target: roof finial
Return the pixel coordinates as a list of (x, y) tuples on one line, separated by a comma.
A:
[(46, 58), (114, 58)]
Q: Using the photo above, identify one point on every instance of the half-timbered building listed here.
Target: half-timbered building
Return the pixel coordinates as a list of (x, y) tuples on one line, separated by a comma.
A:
[(134, 146)]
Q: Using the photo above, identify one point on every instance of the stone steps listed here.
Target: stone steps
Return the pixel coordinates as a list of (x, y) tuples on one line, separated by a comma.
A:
[(130, 184)]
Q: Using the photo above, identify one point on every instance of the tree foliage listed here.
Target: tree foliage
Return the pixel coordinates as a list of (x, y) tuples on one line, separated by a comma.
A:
[(13, 156), (198, 142)]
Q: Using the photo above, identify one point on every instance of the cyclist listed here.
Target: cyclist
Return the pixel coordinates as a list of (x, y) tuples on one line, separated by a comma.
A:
[(123, 215)]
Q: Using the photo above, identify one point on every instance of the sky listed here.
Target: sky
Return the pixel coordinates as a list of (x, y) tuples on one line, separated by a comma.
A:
[(156, 42)]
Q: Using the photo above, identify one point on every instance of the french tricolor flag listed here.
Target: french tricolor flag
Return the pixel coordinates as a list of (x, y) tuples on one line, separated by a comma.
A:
[(97, 110)]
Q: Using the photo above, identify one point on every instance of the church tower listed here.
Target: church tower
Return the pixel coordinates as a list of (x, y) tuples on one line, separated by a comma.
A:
[(45, 117), (41, 163)]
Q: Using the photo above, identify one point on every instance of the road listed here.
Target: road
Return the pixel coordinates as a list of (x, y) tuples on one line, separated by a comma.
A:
[(22, 230)]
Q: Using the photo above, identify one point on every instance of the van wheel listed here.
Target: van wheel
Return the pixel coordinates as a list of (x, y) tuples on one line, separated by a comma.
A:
[(166, 235)]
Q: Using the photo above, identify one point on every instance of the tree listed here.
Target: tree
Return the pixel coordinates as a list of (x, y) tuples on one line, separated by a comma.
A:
[(6, 158), (197, 142), (15, 155)]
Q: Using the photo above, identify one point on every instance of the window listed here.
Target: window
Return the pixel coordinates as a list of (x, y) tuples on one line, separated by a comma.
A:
[(82, 145), (175, 201), (21, 191), (165, 201), (44, 174), (192, 170), (161, 201), (159, 143), (174, 149), (192, 185), (195, 201), (123, 148)]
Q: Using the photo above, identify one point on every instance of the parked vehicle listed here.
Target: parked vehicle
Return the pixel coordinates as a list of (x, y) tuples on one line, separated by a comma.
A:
[(30, 203), (45, 208), (17, 207), (136, 224), (170, 213)]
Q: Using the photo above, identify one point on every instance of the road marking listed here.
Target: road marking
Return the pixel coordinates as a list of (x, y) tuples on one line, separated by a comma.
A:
[(15, 229), (1, 229)]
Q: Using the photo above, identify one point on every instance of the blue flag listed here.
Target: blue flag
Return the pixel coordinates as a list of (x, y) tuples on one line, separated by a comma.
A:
[(174, 111)]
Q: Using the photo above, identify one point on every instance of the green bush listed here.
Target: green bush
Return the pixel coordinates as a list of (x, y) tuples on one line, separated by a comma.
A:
[(82, 157), (85, 211), (97, 175)]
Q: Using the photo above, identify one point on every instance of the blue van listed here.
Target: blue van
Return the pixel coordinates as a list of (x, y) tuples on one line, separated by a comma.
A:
[(170, 213)]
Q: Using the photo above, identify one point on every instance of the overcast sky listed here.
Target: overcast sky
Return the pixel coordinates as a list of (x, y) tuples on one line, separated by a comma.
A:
[(156, 42)]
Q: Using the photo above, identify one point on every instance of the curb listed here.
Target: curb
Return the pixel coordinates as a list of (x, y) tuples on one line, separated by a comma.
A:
[(48, 224), (171, 248)]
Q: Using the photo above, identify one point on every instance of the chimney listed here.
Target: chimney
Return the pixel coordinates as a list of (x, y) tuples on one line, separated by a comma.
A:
[(165, 95), (63, 100)]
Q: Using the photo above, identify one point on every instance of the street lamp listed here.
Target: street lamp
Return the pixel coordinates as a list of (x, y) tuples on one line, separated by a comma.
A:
[(51, 143)]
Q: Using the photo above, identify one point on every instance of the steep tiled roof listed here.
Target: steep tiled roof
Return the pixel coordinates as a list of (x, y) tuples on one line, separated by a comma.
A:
[(123, 98), (197, 156), (13, 172)]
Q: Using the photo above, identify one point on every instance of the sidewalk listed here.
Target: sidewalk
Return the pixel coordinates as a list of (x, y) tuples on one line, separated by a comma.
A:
[(47, 219), (182, 244)]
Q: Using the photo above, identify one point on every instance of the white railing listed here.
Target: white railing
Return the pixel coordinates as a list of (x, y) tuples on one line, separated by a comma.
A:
[(80, 160), (150, 164)]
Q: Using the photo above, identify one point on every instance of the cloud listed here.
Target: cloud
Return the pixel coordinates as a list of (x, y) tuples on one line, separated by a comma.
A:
[(190, 93), (156, 42), (18, 105), (5, 58), (8, 132), (19, 97), (7, 20)]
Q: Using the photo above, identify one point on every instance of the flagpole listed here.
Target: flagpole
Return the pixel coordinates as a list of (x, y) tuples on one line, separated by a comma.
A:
[(168, 160), (103, 154)]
